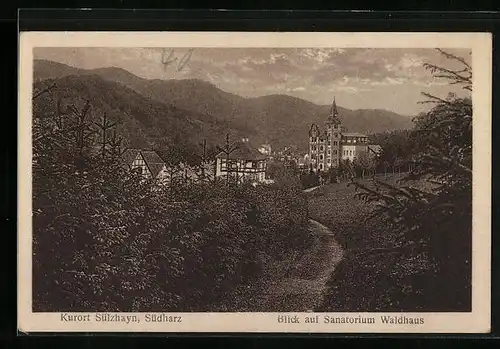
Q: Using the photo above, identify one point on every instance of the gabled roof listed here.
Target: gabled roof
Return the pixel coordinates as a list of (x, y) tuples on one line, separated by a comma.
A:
[(155, 168), (151, 158), (129, 156), (314, 130), (243, 152), (375, 148)]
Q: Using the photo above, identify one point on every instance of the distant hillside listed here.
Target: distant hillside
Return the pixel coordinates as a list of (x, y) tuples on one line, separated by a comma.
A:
[(142, 121), (278, 119), (43, 69)]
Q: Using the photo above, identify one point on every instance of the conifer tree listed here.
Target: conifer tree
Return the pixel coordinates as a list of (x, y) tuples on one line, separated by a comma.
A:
[(431, 207)]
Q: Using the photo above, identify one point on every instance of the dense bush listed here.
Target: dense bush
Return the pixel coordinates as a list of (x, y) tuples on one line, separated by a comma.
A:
[(309, 180), (429, 214), (105, 239)]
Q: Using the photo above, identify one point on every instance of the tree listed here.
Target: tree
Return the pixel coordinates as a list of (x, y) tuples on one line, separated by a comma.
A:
[(431, 208), (394, 144), (386, 164), (105, 239), (365, 162), (397, 163), (333, 174), (346, 168)]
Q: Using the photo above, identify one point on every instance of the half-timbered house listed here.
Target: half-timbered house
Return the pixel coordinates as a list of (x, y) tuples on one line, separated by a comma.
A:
[(244, 163)]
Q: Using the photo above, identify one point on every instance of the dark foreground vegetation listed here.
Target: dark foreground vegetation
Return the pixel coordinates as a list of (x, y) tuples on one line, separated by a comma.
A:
[(408, 241), (106, 239)]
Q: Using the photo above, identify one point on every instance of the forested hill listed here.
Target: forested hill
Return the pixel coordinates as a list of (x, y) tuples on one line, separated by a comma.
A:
[(143, 122), (278, 119)]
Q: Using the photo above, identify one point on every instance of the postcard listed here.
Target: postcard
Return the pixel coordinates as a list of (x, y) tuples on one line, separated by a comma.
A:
[(254, 182)]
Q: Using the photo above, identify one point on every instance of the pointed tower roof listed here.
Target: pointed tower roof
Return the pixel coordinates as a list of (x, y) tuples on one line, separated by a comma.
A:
[(333, 117), (333, 111)]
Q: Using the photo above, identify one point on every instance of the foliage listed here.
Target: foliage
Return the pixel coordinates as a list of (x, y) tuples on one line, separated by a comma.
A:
[(398, 148), (429, 213), (107, 239), (309, 179), (364, 163)]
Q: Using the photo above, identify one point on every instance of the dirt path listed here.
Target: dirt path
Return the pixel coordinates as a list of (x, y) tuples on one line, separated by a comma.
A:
[(299, 287)]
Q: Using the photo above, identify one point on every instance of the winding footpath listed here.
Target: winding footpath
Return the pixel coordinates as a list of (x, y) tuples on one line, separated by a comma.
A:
[(301, 288), (297, 286)]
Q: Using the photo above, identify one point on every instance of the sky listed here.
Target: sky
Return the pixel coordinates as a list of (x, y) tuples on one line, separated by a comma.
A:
[(358, 78)]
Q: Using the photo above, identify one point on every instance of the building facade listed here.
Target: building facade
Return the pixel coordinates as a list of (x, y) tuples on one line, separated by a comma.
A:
[(330, 145), (244, 163), (353, 143), (149, 165)]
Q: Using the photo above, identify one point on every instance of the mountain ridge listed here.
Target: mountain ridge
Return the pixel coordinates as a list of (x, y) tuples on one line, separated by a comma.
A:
[(143, 122), (279, 119)]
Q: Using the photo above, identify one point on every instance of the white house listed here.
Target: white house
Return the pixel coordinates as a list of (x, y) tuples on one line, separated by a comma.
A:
[(147, 162), (244, 163)]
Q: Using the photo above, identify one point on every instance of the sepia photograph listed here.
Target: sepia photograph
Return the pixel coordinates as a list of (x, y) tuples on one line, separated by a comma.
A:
[(329, 185)]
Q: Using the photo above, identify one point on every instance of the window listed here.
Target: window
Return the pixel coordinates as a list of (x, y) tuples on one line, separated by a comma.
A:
[(321, 156), (314, 148), (320, 166), (322, 148), (336, 135), (329, 151), (350, 152), (354, 141), (348, 141)]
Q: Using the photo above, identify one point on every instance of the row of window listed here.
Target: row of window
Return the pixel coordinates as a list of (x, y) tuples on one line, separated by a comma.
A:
[(241, 164), (321, 167), (333, 152), (321, 156), (322, 147), (348, 140), (356, 140), (321, 139)]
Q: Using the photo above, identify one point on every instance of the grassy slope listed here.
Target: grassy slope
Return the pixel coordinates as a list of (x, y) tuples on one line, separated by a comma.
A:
[(336, 207), (363, 282)]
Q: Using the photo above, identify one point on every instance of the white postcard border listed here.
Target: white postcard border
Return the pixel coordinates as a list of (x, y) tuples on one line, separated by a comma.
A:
[(477, 321)]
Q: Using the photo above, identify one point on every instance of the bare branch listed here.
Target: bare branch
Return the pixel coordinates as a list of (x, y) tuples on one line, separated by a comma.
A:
[(45, 90), (453, 57)]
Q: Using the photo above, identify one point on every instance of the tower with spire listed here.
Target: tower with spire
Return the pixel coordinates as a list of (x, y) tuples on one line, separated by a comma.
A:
[(325, 146), (334, 114)]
